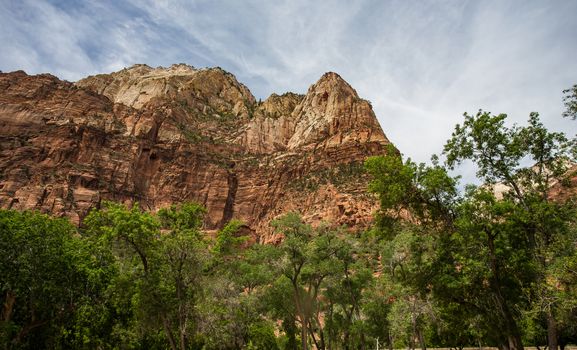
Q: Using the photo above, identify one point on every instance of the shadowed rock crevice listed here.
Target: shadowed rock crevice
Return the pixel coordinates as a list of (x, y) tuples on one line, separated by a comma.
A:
[(227, 214)]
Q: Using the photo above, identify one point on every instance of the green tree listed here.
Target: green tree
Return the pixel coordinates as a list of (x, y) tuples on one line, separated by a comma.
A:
[(410, 192), (181, 261), (377, 304), (44, 271), (308, 258), (411, 222), (233, 308), (407, 259), (160, 266), (499, 151), (486, 265), (489, 253), (570, 100), (344, 294)]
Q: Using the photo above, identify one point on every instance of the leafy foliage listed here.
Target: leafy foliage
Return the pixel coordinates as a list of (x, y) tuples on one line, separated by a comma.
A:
[(488, 257), (46, 273), (570, 100)]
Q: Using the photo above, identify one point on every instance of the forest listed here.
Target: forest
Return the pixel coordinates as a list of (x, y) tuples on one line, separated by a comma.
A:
[(442, 266)]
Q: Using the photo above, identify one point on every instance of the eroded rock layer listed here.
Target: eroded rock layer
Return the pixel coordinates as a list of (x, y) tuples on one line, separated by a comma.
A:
[(166, 135)]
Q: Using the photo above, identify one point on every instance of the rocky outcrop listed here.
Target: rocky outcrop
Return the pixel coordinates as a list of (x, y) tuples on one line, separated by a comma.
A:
[(165, 135), (565, 189)]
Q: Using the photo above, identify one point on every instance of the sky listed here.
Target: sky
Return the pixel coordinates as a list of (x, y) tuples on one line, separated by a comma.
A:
[(422, 64)]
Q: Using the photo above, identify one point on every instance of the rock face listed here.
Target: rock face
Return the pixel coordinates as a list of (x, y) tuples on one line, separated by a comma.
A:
[(566, 189), (166, 135)]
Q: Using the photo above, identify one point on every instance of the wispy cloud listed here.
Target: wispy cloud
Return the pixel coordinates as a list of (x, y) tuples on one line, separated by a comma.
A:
[(421, 63)]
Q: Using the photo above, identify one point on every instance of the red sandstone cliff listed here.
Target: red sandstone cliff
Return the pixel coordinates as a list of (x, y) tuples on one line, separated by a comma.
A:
[(166, 135)]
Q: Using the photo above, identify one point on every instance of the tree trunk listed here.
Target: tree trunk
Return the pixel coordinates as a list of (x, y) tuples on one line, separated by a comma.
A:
[(321, 335), (421, 339), (511, 330), (182, 319), (168, 331), (346, 334), (182, 339), (551, 331), (415, 330), (363, 341), (301, 312), (304, 333), (8, 306), (346, 339), (27, 329), (330, 335), (319, 346), (503, 346), (290, 330), (515, 342), (302, 316)]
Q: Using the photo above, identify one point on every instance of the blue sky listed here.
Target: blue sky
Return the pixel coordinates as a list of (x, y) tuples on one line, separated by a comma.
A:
[(421, 63)]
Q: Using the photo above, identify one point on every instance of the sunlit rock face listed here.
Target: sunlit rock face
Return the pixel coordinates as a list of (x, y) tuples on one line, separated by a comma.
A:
[(159, 136)]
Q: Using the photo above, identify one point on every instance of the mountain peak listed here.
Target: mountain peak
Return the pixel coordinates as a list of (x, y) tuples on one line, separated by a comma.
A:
[(332, 113), (138, 66), (331, 76), (141, 69), (331, 82), (140, 84)]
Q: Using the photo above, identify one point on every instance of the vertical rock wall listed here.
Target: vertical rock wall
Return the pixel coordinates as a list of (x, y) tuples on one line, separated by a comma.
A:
[(166, 135)]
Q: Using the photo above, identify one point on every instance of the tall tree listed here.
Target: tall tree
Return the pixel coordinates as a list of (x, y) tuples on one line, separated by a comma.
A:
[(44, 269), (513, 235), (181, 262), (499, 152), (308, 259), (160, 258)]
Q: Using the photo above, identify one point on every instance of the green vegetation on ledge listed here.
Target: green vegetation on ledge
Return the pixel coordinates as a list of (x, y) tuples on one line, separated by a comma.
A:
[(338, 176)]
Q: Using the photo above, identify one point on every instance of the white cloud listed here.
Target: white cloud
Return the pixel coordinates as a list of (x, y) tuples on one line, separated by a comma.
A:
[(422, 64)]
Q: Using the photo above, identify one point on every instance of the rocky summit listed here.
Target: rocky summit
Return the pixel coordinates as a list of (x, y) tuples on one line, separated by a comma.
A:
[(159, 136)]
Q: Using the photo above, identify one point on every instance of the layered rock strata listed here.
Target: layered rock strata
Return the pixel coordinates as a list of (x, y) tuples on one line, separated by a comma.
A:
[(160, 136)]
